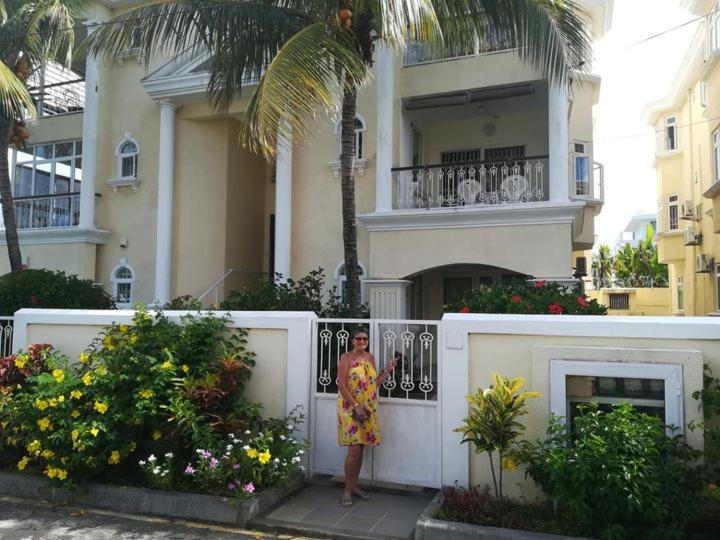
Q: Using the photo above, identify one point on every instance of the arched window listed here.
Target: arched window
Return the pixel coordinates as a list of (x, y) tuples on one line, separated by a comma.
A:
[(341, 279), (359, 136), (127, 154), (123, 279)]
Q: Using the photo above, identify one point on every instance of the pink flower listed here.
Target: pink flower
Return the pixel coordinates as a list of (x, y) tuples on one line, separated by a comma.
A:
[(213, 463), (515, 299), (555, 309), (236, 467), (539, 284), (465, 309), (189, 469), (582, 301), (231, 486), (249, 488)]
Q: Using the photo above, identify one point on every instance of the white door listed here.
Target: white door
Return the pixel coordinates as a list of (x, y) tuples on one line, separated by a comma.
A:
[(409, 411)]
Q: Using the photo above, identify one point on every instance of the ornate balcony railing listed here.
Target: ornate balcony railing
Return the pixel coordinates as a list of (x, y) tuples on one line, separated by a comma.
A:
[(486, 183), (47, 211), (419, 53)]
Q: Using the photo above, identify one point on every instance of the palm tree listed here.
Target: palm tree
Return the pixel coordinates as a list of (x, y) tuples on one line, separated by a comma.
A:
[(312, 56), (31, 34)]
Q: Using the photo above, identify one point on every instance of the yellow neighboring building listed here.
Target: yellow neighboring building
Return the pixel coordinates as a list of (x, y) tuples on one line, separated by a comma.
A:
[(633, 300), (687, 122), (133, 181)]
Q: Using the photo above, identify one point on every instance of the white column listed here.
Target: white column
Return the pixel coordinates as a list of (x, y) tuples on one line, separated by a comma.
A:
[(166, 158), (558, 143), (91, 119), (283, 206), (384, 146), (388, 298)]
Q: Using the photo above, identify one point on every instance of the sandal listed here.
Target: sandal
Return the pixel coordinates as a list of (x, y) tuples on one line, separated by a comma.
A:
[(362, 495), (346, 501)]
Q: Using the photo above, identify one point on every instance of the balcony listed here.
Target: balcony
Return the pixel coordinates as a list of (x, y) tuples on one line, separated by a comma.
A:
[(47, 211), (418, 53), (477, 184), (57, 90)]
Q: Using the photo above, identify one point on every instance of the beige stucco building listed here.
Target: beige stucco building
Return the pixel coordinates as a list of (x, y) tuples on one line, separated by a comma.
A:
[(468, 170), (688, 171)]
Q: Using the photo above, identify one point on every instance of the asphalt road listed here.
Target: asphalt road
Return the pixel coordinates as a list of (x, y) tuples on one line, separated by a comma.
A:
[(29, 520)]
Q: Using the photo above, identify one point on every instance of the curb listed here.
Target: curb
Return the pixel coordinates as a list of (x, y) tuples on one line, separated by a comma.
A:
[(135, 500)]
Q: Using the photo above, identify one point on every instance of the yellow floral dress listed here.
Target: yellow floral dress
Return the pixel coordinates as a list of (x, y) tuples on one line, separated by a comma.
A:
[(362, 383)]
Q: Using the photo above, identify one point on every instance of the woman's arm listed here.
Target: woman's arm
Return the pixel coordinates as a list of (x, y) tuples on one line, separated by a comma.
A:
[(388, 369), (342, 381)]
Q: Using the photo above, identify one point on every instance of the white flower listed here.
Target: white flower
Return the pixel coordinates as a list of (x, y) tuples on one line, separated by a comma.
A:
[(156, 470), (152, 458), (295, 460), (237, 441), (302, 468), (231, 436), (276, 460), (246, 447), (301, 452), (229, 447), (163, 473), (247, 432), (141, 463), (199, 450), (290, 427), (169, 455), (283, 437)]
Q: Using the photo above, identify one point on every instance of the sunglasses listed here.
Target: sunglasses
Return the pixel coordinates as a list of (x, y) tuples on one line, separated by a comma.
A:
[(361, 339)]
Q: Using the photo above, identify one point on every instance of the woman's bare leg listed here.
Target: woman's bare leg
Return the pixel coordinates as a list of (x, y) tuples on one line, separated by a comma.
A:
[(353, 463)]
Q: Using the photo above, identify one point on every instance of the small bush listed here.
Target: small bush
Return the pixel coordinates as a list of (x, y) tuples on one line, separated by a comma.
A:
[(617, 473), (49, 289), (526, 297)]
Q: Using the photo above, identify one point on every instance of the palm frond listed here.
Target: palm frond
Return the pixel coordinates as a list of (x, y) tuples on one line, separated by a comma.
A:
[(403, 20), (306, 78), (3, 12), (15, 101), (550, 35)]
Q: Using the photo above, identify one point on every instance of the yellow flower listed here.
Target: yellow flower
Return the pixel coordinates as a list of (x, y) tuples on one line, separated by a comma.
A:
[(12, 441), (61, 398), (100, 407), (61, 474), (43, 424), (252, 453), (76, 394), (74, 434), (51, 472), (185, 368), (23, 463), (101, 370), (156, 435), (133, 339), (84, 357), (87, 379), (75, 414), (33, 447), (47, 454), (41, 404), (264, 457), (58, 375), (114, 458), (145, 394), (20, 362), (94, 431), (52, 402), (3, 425), (167, 364), (509, 464), (133, 446), (108, 343), (124, 328), (63, 460)]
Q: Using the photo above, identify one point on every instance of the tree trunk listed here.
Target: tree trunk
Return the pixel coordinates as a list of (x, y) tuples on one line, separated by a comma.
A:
[(347, 156), (6, 198)]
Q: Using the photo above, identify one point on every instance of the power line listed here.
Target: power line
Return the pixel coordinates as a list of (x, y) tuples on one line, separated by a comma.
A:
[(657, 131), (659, 34)]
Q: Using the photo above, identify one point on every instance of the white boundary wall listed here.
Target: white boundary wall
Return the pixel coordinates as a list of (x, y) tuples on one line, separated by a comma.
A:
[(298, 325), (474, 345)]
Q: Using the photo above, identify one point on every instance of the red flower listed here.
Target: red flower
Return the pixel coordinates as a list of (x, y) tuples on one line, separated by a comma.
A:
[(582, 301), (515, 299), (465, 309), (555, 309), (34, 300), (539, 284)]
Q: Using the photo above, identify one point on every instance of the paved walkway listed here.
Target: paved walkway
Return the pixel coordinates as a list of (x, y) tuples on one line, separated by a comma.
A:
[(29, 520), (317, 511)]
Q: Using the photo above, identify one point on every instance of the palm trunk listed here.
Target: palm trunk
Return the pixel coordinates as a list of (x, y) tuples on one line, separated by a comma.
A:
[(347, 155), (6, 198)]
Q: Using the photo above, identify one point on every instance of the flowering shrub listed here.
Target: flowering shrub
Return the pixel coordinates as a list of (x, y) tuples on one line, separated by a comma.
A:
[(15, 369), (527, 297), (151, 388)]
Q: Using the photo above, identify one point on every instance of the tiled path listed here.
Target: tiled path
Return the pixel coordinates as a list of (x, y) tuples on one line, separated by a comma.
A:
[(316, 511)]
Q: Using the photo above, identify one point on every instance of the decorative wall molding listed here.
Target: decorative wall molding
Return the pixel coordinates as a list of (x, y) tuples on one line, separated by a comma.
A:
[(60, 235)]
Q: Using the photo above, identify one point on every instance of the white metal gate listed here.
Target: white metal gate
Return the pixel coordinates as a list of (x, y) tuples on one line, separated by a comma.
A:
[(409, 408)]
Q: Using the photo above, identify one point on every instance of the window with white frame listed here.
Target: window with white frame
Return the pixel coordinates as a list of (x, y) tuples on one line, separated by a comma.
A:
[(341, 280), (703, 93), (716, 154), (673, 213), (654, 389), (717, 286), (359, 137), (680, 283), (670, 134), (123, 280), (714, 27), (582, 169), (127, 154), (47, 169)]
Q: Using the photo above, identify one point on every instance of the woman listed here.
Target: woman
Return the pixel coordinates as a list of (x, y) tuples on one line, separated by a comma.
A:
[(358, 425)]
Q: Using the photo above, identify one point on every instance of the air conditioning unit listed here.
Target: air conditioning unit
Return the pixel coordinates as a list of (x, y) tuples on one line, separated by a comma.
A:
[(580, 267), (691, 237), (688, 210), (703, 263)]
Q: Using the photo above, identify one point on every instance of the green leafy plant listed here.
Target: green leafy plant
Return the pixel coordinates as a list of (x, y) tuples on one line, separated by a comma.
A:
[(527, 297), (492, 423), (618, 472), (49, 289), (709, 398)]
